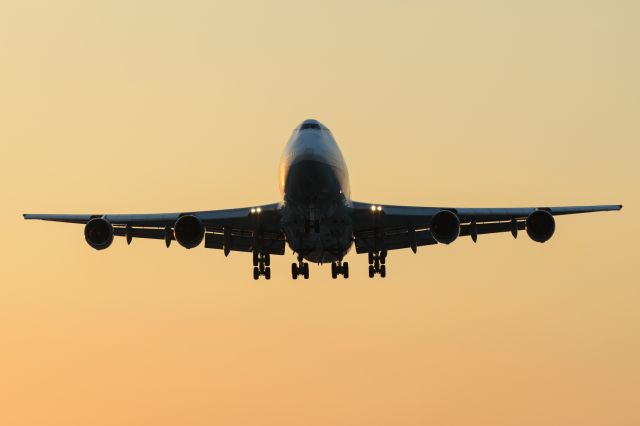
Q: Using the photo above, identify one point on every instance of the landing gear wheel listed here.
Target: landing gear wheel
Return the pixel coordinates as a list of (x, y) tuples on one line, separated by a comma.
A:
[(256, 273), (294, 271), (370, 255), (372, 271), (383, 271), (267, 273), (256, 258), (334, 271), (383, 257), (267, 260), (305, 270), (345, 270)]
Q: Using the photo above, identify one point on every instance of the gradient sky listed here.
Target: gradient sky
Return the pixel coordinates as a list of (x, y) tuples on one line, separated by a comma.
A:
[(152, 106)]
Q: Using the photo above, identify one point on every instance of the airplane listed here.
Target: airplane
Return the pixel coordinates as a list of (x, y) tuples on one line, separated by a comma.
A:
[(317, 218)]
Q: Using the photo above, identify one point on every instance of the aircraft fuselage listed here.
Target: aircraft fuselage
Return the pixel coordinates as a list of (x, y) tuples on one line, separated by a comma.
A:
[(314, 184)]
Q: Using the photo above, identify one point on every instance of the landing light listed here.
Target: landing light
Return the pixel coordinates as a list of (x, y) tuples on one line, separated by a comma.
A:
[(255, 210), (376, 208)]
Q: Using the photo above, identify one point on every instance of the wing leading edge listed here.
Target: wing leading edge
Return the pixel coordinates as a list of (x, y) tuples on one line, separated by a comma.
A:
[(375, 227), (380, 227), (237, 229)]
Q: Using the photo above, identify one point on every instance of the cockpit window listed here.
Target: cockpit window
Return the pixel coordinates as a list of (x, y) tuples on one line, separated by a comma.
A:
[(310, 126)]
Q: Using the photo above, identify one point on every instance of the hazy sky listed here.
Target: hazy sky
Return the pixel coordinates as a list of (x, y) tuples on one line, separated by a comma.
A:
[(153, 106)]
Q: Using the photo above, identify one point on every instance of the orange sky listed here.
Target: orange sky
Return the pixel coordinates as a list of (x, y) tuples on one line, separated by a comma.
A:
[(154, 106)]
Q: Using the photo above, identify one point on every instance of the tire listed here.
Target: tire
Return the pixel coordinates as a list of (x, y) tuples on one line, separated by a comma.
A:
[(345, 270), (334, 271), (294, 271), (305, 268), (383, 271), (255, 258), (383, 257), (267, 273), (372, 271), (267, 259), (370, 258), (256, 273)]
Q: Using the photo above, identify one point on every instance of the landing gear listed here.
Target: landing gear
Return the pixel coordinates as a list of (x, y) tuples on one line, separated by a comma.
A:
[(300, 269), (261, 264), (377, 263), (339, 268), (257, 256)]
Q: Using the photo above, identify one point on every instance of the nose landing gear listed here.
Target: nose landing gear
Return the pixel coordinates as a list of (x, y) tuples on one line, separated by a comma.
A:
[(377, 264), (261, 262)]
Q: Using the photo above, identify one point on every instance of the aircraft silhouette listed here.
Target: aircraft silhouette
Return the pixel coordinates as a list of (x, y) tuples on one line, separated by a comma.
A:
[(317, 218)]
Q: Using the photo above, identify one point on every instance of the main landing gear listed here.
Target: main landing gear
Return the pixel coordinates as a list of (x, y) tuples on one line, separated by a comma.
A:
[(301, 268), (377, 263), (339, 268), (261, 266)]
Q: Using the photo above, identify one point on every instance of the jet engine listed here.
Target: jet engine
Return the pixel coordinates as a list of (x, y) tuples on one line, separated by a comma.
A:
[(540, 226), (188, 231), (99, 233), (445, 227)]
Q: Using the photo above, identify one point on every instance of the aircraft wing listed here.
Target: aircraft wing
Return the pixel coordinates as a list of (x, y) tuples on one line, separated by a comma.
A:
[(378, 227), (229, 230)]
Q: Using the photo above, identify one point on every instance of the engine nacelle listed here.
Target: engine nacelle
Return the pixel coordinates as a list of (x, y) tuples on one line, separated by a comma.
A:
[(445, 227), (99, 233), (188, 231), (540, 226)]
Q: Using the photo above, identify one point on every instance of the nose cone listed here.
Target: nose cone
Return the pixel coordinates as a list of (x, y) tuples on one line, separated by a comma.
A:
[(312, 158), (311, 124), (312, 141)]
